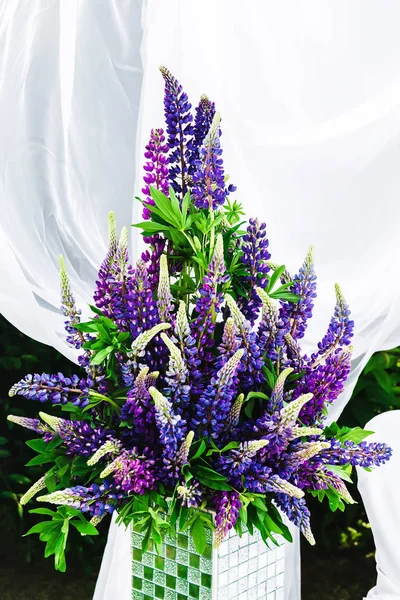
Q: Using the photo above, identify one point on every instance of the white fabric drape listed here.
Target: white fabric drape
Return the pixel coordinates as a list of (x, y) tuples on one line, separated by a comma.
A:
[(310, 100), (379, 491)]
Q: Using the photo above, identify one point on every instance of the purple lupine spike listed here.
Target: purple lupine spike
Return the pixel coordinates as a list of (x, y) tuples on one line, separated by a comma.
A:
[(227, 506), (68, 307), (229, 345), (189, 494), (29, 423), (56, 389), (152, 257), (255, 256), (326, 383), (93, 499), (176, 376), (106, 274), (236, 463), (215, 402), (363, 454), (133, 473), (164, 297), (297, 512), (156, 167), (250, 372), (178, 119), (138, 409), (171, 429), (79, 437), (204, 115), (296, 314), (340, 330), (268, 327), (209, 302), (208, 190)]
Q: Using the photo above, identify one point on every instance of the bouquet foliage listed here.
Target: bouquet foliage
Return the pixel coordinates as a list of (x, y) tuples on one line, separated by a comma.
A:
[(196, 407)]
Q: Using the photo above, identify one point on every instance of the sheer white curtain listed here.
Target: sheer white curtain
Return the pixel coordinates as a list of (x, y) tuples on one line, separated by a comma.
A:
[(310, 99)]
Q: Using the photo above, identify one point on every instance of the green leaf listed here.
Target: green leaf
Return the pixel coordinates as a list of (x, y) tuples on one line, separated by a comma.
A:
[(84, 527), (18, 478), (274, 278), (208, 473), (198, 532), (38, 445), (341, 472), (51, 483), (201, 449), (43, 511), (251, 395), (42, 459), (41, 527), (289, 296), (214, 484), (101, 356), (151, 227)]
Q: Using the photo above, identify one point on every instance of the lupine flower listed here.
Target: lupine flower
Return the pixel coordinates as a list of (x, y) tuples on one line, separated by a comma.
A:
[(251, 367), (326, 383), (156, 169), (164, 296), (56, 389), (268, 327), (33, 490), (132, 473), (94, 499), (190, 495), (215, 402), (79, 438), (29, 423), (208, 178), (255, 257), (179, 128), (363, 454), (209, 302), (171, 429), (296, 315), (340, 330), (177, 375), (227, 506), (138, 408), (68, 307), (297, 512), (204, 115)]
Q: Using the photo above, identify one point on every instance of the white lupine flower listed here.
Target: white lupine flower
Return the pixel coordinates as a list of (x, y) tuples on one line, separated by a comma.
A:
[(309, 450), (33, 490), (56, 423), (236, 313), (304, 432), (110, 447), (291, 411), (139, 344)]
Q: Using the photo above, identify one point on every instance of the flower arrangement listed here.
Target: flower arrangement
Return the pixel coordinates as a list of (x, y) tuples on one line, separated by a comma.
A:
[(196, 407)]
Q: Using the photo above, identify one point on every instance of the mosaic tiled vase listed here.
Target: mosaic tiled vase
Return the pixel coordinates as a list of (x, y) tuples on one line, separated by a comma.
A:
[(240, 569)]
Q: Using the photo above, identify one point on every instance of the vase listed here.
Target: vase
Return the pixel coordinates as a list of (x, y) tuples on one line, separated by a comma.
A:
[(242, 568)]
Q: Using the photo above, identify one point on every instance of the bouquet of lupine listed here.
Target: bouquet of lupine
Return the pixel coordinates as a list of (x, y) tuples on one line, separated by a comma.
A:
[(196, 407)]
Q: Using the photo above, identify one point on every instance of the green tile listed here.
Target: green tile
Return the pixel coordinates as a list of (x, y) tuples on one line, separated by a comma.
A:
[(171, 582), (170, 552), (148, 588), (194, 560), (182, 597), (194, 591), (159, 562), (148, 559), (182, 556), (182, 571), (206, 580), (182, 541), (148, 573), (147, 597), (137, 554), (159, 592), (137, 583), (170, 567), (137, 596)]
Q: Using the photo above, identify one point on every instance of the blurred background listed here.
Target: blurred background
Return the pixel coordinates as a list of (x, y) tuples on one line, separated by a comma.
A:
[(340, 566)]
